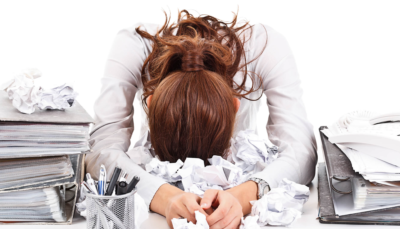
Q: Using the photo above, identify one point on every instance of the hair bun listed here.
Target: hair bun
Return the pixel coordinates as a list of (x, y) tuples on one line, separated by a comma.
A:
[(192, 61)]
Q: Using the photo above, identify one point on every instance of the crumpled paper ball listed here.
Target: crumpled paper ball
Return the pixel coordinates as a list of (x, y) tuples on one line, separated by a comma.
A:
[(25, 95), (22, 90)]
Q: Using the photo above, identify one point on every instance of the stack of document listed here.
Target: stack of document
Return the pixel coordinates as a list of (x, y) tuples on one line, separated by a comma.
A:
[(367, 194), (32, 205), (15, 173), (373, 148), (24, 139), (40, 154)]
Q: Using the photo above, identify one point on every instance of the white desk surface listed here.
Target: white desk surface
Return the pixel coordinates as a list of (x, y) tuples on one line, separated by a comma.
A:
[(308, 219)]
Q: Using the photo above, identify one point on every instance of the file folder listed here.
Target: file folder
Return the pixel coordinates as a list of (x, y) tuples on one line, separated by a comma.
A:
[(334, 190)]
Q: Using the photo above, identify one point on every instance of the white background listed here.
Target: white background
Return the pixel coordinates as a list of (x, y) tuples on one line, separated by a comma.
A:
[(347, 52)]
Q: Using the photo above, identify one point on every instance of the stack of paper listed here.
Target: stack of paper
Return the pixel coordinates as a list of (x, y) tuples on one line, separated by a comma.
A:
[(32, 205), (22, 172), (40, 152), (23, 139), (367, 194), (374, 154)]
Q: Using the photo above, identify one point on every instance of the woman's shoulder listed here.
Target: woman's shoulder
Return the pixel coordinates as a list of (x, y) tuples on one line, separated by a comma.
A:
[(261, 33)]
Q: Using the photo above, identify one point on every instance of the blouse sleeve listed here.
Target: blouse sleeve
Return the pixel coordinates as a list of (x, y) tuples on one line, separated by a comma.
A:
[(287, 127), (110, 137)]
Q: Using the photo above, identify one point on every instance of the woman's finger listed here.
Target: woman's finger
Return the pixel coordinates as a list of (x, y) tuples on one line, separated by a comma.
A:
[(192, 205), (225, 221), (180, 209), (170, 217), (209, 196), (221, 212), (234, 224)]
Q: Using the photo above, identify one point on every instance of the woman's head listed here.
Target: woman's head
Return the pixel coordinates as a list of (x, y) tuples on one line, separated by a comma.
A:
[(191, 96)]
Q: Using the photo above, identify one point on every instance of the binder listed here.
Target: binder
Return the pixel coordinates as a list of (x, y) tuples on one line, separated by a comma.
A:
[(76, 115), (335, 171), (77, 161)]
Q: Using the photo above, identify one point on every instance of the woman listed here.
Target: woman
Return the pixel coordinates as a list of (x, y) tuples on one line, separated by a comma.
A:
[(201, 81)]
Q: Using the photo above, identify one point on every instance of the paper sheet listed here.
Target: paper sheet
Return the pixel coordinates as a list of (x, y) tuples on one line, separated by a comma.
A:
[(201, 222), (248, 155), (22, 90), (282, 205), (25, 95), (57, 98)]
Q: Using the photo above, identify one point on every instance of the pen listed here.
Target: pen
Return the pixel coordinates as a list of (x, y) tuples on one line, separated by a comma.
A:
[(90, 184), (85, 186), (132, 184), (102, 180), (113, 181), (121, 186), (123, 176)]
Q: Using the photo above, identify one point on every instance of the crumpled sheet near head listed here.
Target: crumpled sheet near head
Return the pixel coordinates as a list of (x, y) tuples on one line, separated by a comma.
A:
[(249, 154), (25, 95)]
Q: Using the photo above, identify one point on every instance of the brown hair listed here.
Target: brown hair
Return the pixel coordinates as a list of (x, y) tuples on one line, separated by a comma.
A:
[(190, 75)]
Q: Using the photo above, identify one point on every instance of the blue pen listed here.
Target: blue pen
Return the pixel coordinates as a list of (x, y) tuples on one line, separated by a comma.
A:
[(101, 186)]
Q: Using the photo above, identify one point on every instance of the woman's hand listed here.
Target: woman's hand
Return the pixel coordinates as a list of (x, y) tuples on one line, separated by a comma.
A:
[(175, 203), (228, 213), (183, 205)]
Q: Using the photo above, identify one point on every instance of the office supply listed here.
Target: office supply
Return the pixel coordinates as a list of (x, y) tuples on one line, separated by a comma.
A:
[(38, 137), (27, 171), (132, 184), (69, 196), (111, 211), (336, 201), (43, 204), (123, 176), (113, 181), (91, 185), (43, 133), (101, 186), (327, 213), (355, 131), (85, 186), (121, 188)]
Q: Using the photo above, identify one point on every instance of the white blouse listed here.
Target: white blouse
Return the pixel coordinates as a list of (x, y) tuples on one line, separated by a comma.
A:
[(287, 127)]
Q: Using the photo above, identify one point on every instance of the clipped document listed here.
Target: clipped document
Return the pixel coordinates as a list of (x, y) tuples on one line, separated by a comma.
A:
[(15, 173), (32, 205)]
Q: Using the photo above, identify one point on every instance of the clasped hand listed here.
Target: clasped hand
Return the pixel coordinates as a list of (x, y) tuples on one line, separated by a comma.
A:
[(227, 214)]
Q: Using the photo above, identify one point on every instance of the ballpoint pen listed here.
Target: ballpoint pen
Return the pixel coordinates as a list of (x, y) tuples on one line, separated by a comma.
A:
[(123, 177), (90, 184), (85, 186), (102, 180)]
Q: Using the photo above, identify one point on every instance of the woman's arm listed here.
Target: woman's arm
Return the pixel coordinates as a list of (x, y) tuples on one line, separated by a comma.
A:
[(110, 137), (287, 127)]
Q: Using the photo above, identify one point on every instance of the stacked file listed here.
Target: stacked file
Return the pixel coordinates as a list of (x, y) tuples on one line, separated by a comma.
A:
[(20, 139), (40, 156), (15, 173), (374, 152), (367, 194), (32, 205)]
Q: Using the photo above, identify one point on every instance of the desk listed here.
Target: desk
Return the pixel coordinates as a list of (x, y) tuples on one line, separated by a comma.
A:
[(308, 219)]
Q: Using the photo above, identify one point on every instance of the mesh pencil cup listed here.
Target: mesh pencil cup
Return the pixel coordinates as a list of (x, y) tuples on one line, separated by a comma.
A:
[(110, 212)]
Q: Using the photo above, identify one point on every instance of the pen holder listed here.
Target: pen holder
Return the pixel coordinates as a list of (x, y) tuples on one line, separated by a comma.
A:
[(110, 212)]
